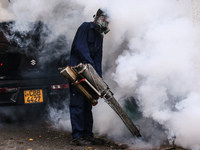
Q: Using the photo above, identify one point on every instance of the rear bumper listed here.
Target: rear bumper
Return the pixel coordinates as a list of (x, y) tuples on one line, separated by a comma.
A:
[(18, 97)]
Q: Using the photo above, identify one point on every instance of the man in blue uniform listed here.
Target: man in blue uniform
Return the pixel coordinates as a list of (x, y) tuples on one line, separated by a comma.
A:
[(86, 48)]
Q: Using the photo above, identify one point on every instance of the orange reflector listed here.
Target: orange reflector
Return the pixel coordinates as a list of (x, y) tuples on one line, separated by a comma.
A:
[(7, 90)]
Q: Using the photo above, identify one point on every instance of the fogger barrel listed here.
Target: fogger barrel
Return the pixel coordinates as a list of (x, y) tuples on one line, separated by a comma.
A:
[(91, 86)]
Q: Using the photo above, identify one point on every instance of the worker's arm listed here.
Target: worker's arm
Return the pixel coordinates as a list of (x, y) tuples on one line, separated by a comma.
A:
[(81, 45)]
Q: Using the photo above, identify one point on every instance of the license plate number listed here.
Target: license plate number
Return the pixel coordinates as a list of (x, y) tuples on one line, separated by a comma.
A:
[(33, 96)]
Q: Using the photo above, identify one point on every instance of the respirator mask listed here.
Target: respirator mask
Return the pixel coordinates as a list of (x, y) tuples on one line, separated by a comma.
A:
[(101, 24)]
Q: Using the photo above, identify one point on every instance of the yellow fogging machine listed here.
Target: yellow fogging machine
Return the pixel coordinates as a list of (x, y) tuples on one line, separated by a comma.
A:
[(92, 87)]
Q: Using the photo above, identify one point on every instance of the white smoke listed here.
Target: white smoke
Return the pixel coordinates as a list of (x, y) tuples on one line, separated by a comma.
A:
[(151, 54), (160, 67), (5, 15)]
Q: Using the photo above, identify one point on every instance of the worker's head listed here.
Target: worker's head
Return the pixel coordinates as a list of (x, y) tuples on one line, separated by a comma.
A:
[(101, 22)]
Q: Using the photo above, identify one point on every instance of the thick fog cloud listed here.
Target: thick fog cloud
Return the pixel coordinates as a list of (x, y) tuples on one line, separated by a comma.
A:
[(4, 12), (160, 67)]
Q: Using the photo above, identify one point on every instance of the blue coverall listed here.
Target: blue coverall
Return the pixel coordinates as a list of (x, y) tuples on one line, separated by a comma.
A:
[(86, 48)]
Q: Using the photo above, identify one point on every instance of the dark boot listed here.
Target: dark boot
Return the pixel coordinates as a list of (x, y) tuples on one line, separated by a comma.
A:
[(81, 142), (94, 141)]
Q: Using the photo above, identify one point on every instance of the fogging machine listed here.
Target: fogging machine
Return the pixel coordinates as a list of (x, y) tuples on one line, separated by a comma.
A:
[(92, 87)]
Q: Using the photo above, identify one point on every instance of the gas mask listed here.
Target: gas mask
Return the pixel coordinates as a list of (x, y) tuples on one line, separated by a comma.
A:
[(101, 24)]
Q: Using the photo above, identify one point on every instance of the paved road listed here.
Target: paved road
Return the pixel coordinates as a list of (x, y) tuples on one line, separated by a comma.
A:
[(41, 136), (33, 133)]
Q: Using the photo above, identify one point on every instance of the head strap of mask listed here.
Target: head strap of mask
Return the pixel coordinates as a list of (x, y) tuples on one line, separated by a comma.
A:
[(101, 27)]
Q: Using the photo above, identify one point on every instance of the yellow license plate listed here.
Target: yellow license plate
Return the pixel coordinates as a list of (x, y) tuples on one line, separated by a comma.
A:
[(33, 96)]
